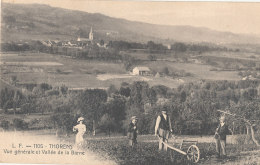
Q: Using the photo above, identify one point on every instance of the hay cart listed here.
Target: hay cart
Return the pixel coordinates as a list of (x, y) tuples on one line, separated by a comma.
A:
[(192, 150)]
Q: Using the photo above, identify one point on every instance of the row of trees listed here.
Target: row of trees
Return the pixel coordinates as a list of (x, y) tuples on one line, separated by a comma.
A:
[(193, 107), (153, 47), (150, 46)]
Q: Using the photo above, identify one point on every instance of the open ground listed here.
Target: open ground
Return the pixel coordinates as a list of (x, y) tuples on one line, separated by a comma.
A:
[(115, 150), (74, 73)]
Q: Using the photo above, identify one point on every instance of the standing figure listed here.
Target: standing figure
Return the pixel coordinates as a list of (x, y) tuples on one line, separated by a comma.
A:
[(163, 123), (132, 131), (81, 128), (220, 136)]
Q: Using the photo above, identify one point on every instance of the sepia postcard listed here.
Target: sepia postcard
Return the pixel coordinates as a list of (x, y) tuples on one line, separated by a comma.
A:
[(114, 82)]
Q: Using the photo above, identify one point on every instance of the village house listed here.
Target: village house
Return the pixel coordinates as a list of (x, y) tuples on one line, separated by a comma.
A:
[(142, 71)]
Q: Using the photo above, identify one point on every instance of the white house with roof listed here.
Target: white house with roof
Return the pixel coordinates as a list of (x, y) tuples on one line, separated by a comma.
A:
[(143, 71)]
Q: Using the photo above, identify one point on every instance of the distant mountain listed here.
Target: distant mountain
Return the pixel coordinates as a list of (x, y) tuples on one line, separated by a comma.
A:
[(34, 21)]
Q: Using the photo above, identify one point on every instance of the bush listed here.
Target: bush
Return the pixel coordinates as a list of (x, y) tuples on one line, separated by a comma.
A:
[(152, 57), (5, 124), (33, 123), (52, 92), (20, 124), (243, 139), (63, 122), (165, 71)]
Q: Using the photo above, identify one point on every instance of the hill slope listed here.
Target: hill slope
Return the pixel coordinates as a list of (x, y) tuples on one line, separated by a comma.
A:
[(36, 21)]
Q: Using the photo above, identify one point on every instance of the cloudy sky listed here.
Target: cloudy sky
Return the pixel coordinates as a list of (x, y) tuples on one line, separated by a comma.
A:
[(222, 16)]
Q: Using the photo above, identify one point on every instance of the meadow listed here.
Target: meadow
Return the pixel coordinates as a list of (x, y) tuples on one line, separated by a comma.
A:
[(57, 70)]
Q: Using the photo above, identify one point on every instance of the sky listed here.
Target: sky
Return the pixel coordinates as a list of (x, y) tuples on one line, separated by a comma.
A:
[(236, 17)]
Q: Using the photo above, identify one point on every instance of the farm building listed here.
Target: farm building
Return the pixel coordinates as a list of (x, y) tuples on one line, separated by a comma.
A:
[(141, 71)]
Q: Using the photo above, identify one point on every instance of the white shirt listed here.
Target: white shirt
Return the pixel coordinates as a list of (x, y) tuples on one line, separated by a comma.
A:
[(158, 120), (81, 128)]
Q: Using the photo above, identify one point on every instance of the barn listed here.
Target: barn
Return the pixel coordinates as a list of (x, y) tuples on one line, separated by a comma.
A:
[(143, 71)]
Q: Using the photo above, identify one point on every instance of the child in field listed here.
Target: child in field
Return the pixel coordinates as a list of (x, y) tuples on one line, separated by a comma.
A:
[(132, 132), (81, 128)]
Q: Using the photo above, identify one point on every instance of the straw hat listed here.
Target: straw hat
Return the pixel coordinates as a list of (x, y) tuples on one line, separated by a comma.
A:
[(222, 118), (80, 119), (134, 117)]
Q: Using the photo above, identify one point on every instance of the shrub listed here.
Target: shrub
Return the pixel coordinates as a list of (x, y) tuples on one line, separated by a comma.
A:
[(165, 71), (34, 123), (5, 124), (63, 122), (52, 92), (242, 139), (20, 124)]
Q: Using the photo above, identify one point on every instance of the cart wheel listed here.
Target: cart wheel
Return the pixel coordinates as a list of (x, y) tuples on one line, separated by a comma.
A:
[(193, 153)]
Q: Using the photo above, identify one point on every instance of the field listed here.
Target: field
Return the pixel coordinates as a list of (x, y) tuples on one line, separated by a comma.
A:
[(236, 55), (146, 151), (58, 70), (199, 71), (115, 149)]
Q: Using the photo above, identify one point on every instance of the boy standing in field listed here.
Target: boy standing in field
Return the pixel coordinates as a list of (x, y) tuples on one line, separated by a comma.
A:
[(163, 123), (132, 132), (220, 135)]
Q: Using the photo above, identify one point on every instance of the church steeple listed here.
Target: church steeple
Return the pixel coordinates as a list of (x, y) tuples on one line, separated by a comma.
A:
[(91, 37)]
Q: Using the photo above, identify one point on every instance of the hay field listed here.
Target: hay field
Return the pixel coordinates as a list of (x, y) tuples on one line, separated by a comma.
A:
[(199, 71)]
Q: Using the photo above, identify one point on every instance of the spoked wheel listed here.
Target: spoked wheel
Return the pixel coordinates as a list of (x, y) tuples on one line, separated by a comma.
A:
[(193, 154)]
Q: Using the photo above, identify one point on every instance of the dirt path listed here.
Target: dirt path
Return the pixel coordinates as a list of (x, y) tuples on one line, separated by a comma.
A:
[(45, 149)]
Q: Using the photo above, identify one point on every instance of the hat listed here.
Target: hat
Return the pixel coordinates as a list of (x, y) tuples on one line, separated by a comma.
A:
[(134, 117), (164, 109), (80, 119), (222, 118)]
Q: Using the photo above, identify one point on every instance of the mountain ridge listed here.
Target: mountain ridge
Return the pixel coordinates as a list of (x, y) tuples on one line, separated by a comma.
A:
[(41, 19)]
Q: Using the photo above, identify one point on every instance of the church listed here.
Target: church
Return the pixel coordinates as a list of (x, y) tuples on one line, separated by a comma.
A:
[(90, 37)]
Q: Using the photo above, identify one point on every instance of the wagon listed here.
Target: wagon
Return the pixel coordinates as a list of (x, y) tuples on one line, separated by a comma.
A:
[(192, 150)]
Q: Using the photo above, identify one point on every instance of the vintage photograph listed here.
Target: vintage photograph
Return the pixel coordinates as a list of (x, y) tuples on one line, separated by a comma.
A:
[(115, 82)]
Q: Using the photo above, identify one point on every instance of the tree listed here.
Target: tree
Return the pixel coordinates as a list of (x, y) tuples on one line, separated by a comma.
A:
[(116, 109), (178, 46), (63, 122), (152, 57), (165, 71), (43, 105), (5, 124), (161, 90), (129, 61), (5, 96), (124, 91), (107, 124), (14, 79), (91, 104), (111, 90)]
